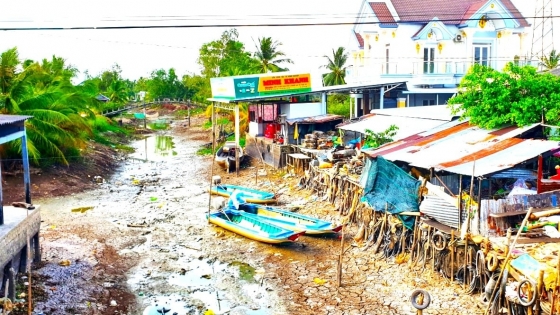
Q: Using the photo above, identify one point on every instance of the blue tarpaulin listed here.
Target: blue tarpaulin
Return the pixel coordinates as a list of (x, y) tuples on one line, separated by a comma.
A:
[(387, 186)]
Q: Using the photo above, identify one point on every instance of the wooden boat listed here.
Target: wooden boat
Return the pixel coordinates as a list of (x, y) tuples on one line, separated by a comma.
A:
[(225, 156), (251, 227), (289, 220), (247, 194)]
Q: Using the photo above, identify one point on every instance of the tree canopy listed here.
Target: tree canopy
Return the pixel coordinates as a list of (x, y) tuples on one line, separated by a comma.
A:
[(518, 95), (269, 57), (337, 67)]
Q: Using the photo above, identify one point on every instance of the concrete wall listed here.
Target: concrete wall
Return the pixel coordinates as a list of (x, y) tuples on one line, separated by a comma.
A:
[(300, 110), (15, 239)]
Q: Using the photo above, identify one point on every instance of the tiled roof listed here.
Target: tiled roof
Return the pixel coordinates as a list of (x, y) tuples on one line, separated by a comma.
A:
[(360, 39), (450, 12), (382, 13)]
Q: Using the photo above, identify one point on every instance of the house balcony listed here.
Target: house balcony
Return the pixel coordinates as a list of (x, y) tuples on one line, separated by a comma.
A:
[(438, 72)]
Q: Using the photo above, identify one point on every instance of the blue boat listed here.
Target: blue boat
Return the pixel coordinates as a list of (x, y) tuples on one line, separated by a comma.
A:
[(247, 194), (287, 219), (247, 225)]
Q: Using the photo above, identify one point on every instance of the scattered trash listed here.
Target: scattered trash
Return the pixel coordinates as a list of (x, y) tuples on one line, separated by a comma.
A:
[(319, 281), (153, 198), (99, 179), (209, 312), (82, 209), (113, 303), (64, 263)]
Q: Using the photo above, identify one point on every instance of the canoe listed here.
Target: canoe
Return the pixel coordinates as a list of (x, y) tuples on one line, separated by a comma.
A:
[(225, 156), (246, 225), (247, 194), (289, 220)]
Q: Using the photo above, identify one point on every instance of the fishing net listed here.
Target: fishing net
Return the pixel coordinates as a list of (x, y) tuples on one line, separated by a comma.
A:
[(387, 185)]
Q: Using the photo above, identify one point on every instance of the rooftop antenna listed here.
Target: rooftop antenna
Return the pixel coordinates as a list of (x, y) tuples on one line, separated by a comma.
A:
[(543, 34)]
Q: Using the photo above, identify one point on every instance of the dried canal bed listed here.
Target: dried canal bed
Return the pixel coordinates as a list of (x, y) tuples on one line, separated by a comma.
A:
[(145, 247)]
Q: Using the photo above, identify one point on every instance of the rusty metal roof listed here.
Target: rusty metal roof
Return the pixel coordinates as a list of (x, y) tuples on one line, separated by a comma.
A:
[(10, 119), (314, 119), (454, 149)]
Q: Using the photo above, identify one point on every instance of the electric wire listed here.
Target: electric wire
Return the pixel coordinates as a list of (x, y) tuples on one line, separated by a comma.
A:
[(234, 25)]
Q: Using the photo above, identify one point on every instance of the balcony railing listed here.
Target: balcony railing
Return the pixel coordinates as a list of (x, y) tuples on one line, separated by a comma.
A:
[(452, 67)]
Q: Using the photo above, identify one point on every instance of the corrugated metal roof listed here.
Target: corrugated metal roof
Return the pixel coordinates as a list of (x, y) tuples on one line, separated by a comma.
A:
[(434, 112), (314, 119), (505, 158), (10, 119), (410, 120), (378, 123), (453, 149)]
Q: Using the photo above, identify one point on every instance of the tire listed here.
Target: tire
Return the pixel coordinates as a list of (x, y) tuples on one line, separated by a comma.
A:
[(439, 237), (522, 300), (425, 302), (492, 261)]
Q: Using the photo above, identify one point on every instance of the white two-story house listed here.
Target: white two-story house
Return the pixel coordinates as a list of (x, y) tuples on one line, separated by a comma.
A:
[(429, 45)]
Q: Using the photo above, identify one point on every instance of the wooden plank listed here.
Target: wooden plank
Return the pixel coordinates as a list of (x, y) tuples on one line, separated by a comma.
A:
[(441, 227)]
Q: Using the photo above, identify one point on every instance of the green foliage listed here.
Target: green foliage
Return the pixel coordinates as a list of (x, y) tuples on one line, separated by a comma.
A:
[(551, 61), (516, 96), (337, 68), (269, 57), (376, 139), (338, 104), (225, 56)]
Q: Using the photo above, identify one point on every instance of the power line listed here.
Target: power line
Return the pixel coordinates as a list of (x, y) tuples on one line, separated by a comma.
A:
[(234, 25)]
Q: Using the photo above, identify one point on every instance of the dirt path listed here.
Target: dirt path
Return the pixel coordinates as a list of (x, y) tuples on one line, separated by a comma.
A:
[(140, 242)]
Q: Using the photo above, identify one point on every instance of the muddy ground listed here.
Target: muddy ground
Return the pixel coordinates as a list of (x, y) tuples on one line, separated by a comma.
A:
[(139, 243)]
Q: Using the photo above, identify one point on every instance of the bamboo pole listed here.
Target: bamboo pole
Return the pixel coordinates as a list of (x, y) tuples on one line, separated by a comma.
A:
[(506, 261), (452, 252)]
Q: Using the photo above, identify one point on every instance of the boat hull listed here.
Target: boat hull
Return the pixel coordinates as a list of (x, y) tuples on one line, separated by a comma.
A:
[(225, 156), (249, 195), (244, 225), (290, 220)]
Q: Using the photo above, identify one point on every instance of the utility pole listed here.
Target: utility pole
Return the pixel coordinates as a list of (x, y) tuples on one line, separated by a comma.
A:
[(144, 100), (189, 111)]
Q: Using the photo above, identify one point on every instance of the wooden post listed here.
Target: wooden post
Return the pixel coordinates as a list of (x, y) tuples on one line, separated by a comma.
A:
[(460, 202), (26, 177), (238, 147), (539, 174), (538, 292), (213, 157), (339, 266), (189, 113), (555, 289), (452, 252)]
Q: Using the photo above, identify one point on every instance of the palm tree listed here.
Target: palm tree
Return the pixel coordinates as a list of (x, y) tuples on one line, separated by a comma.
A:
[(44, 91), (269, 57), (551, 61), (337, 68)]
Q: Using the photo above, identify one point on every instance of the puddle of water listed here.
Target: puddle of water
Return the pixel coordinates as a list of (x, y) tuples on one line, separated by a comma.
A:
[(246, 272), (198, 273), (154, 148)]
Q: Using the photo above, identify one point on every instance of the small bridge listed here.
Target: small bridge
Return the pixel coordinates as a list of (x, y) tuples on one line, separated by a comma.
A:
[(134, 105)]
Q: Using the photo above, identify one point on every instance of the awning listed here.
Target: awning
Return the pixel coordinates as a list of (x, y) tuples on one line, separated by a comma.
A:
[(314, 119), (344, 88)]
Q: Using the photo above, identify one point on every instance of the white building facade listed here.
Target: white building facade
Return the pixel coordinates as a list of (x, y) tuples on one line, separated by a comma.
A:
[(430, 45)]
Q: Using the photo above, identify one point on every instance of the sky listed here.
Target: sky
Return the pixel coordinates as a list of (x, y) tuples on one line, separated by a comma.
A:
[(140, 51)]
